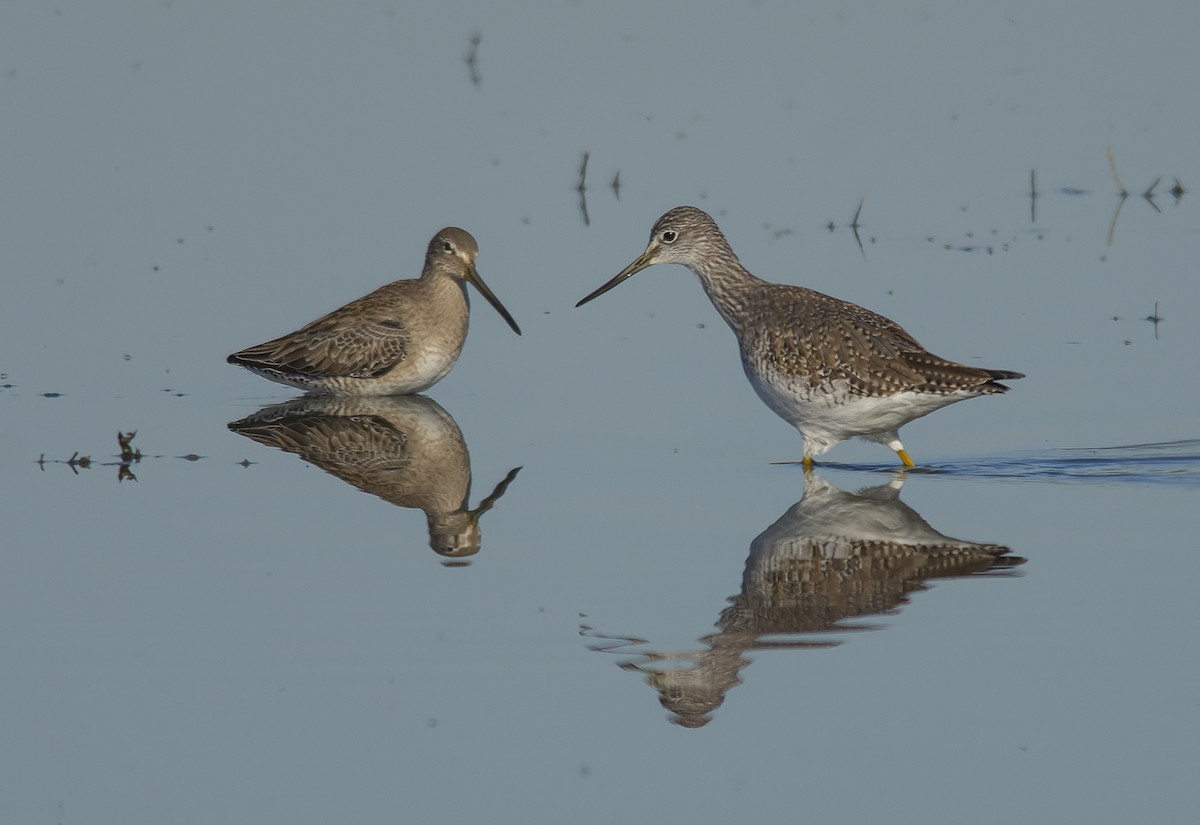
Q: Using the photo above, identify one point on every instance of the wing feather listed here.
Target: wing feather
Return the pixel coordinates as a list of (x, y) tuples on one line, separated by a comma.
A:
[(836, 341)]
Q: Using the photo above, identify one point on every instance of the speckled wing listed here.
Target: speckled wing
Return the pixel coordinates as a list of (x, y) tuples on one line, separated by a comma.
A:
[(332, 346), (832, 340)]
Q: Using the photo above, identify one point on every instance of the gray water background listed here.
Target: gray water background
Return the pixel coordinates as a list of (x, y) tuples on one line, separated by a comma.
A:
[(232, 635)]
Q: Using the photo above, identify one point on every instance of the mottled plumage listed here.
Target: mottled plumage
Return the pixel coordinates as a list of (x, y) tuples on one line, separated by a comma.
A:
[(832, 369), (402, 338), (405, 449)]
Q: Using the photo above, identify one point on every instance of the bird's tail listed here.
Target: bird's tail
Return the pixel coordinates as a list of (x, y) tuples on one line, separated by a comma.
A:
[(1004, 375)]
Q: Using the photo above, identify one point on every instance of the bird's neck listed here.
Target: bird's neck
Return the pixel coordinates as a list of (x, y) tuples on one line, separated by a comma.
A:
[(728, 285), (440, 282), (446, 298)]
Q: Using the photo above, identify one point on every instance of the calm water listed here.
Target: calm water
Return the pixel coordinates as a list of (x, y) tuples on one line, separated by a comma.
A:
[(584, 580)]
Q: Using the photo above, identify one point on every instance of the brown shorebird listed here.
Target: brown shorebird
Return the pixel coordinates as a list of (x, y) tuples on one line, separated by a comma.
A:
[(402, 338)]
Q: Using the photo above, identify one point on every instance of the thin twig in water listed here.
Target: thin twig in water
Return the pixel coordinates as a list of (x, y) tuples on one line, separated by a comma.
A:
[(854, 225), (1155, 319), (1112, 226), (473, 60), (581, 188), (1122, 194), (1149, 195), (1112, 164), (582, 185), (1033, 196)]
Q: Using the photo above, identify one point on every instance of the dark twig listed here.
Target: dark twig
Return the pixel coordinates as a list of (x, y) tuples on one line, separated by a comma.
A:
[(581, 188), (1155, 319), (582, 185), (1033, 196), (1149, 195), (855, 225), (473, 60)]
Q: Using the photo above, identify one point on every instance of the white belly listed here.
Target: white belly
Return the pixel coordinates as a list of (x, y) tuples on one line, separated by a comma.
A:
[(830, 413)]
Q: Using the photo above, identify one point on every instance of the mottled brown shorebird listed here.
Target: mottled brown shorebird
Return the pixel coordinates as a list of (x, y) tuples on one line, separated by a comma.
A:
[(402, 338), (830, 368)]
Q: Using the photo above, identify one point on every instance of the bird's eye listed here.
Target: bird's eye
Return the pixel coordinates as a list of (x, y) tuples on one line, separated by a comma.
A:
[(447, 246), (669, 236)]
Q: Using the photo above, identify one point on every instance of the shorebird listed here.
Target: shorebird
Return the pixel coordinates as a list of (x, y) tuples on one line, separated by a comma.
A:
[(833, 564), (405, 449), (830, 368), (402, 338)]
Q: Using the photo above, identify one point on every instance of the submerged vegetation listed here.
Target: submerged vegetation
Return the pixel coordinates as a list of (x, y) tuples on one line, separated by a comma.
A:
[(128, 456)]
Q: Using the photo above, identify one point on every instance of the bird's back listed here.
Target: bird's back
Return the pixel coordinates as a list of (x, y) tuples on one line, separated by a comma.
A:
[(815, 340)]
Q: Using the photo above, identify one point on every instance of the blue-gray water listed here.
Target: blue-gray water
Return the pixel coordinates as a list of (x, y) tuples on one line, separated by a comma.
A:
[(222, 631)]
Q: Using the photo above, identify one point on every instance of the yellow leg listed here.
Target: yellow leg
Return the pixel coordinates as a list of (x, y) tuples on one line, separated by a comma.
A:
[(908, 462), (807, 462)]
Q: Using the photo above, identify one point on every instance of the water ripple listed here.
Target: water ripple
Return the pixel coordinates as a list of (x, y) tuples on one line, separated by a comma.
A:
[(1172, 463)]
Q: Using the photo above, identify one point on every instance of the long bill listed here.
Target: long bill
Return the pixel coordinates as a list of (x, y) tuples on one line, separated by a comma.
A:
[(477, 281), (634, 268)]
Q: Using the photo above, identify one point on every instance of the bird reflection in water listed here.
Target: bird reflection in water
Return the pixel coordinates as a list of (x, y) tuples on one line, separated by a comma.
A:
[(832, 556), (406, 450)]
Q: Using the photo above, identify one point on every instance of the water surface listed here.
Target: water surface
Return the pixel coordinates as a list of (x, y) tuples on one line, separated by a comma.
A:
[(238, 623)]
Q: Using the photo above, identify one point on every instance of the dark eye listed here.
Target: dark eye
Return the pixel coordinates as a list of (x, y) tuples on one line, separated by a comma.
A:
[(447, 246), (669, 236)]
